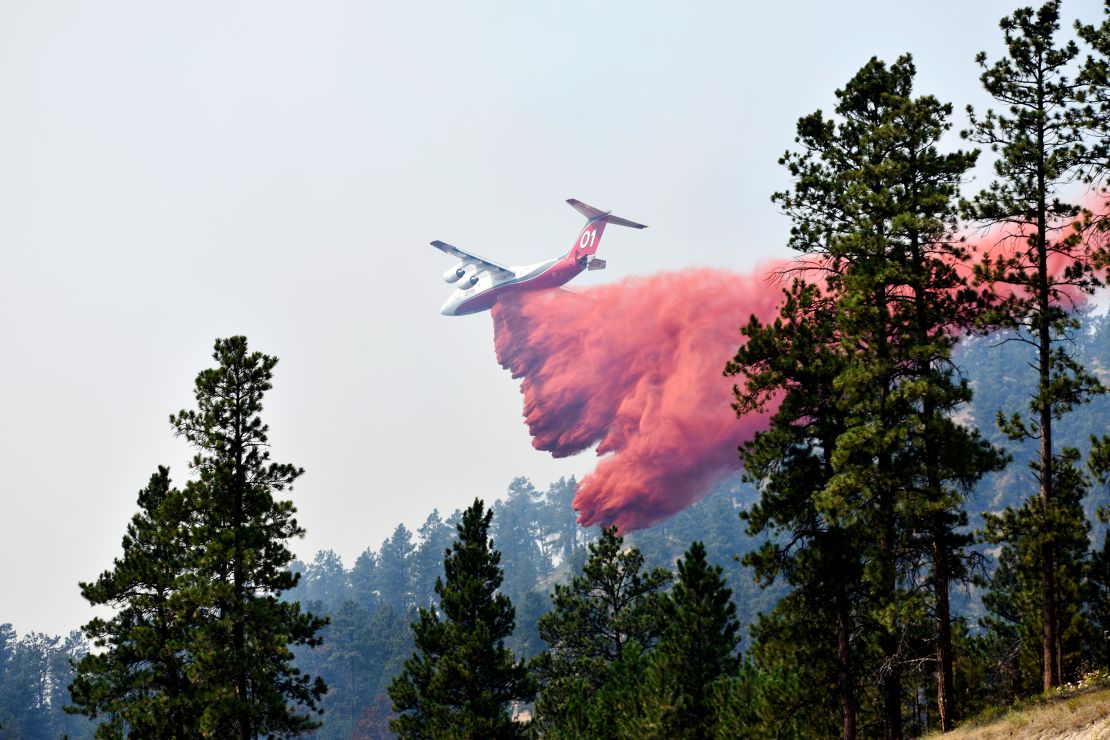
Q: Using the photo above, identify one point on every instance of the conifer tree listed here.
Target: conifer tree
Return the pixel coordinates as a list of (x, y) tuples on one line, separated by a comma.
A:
[(396, 569), (1098, 580), (436, 536), (1014, 618), (610, 613), (697, 649), (1040, 149), (814, 629), (139, 675), (873, 205), (242, 663), (461, 680), (201, 644)]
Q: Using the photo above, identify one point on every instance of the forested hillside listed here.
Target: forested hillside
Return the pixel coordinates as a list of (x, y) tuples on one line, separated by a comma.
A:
[(371, 601)]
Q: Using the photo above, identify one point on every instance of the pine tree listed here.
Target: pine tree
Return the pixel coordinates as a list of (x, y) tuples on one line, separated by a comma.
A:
[(1098, 581), (874, 209), (395, 569), (242, 664), (200, 645), (611, 612), (796, 361), (364, 580), (436, 536), (139, 675), (516, 529), (1040, 148), (325, 580), (1095, 115), (461, 680), (697, 649)]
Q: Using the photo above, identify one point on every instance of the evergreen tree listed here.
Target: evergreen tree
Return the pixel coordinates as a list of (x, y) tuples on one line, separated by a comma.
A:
[(241, 632), (461, 680), (34, 672), (348, 665), (516, 527), (436, 536), (325, 580), (611, 612), (560, 519), (1098, 581), (140, 675), (1040, 149), (1015, 596), (395, 569), (201, 645), (697, 649), (814, 629), (364, 579), (873, 206), (1095, 78)]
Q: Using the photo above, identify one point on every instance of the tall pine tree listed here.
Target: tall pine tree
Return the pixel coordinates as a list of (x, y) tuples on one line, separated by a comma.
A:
[(873, 206), (462, 680), (139, 675), (201, 643), (697, 650), (242, 663), (1040, 149), (608, 616), (814, 629)]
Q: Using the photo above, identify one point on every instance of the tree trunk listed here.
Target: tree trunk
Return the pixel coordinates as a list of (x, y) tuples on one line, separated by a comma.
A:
[(941, 580), (1044, 366), (846, 680)]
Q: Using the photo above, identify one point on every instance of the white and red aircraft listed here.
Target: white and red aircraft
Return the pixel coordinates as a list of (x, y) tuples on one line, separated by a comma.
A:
[(480, 282)]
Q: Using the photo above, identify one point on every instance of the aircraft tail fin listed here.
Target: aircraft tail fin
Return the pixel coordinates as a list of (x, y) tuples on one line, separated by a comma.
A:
[(596, 214), (586, 245)]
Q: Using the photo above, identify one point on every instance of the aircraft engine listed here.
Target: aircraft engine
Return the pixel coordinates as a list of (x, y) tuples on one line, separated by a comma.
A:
[(468, 276), (454, 273)]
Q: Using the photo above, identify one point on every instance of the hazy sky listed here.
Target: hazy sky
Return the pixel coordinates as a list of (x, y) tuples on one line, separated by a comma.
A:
[(173, 173)]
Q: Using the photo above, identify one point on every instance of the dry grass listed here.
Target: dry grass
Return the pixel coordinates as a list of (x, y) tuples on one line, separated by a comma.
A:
[(1080, 715)]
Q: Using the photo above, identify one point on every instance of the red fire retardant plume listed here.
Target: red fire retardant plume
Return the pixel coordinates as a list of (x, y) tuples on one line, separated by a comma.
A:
[(636, 368)]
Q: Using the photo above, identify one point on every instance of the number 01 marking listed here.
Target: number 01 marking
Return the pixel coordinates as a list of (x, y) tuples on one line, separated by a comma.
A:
[(587, 239)]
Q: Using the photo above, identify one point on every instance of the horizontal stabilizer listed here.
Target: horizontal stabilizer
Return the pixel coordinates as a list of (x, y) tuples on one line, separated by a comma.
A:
[(596, 264), (596, 214)]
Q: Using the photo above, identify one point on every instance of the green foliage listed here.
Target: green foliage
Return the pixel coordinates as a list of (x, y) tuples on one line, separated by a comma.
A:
[(394, 573), (461, 680), (326, 580), (611, 612), (140, 675), (863, 471), (1040, 143), (201, 644), (34, 672), (697, 650), (436, 537)]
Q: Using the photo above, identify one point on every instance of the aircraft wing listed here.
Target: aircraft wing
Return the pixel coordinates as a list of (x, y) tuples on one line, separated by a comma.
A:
[(466, 256)]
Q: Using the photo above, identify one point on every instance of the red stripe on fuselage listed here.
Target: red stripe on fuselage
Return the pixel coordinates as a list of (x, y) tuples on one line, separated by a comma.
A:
[(560, 273)]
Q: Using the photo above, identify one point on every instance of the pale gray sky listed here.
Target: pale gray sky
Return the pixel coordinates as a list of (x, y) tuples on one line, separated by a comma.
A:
[(175, 172)]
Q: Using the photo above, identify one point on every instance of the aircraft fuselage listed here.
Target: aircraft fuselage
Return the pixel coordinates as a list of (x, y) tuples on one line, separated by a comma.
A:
[(540, 276)]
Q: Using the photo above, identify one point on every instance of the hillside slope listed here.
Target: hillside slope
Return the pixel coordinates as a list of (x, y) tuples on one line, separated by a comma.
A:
[(1083, 714)]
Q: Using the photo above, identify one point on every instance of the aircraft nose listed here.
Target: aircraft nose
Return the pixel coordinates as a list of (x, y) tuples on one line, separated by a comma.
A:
[(448, 308)]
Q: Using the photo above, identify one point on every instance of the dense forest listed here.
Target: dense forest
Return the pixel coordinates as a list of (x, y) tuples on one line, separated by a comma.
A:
[(370, 602), (918, 535)]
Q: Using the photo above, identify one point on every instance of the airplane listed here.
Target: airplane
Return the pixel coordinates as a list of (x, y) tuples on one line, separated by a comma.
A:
[(480, 282)]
